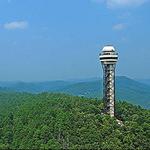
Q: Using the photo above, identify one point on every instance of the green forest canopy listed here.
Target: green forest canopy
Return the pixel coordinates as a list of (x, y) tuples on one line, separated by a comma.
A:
[(59, 121)]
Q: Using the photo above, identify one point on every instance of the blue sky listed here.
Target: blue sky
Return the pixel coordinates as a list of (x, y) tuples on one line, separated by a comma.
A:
[(61, 39)]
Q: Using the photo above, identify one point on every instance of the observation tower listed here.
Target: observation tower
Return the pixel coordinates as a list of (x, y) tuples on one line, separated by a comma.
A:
[(108, 58)]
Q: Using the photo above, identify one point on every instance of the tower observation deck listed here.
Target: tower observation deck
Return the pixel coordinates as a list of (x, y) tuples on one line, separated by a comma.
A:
[(108, 58)]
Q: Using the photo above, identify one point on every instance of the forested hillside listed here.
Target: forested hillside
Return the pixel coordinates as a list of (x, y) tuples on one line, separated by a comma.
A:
[(145, 81), (126, 89), (59, 121)]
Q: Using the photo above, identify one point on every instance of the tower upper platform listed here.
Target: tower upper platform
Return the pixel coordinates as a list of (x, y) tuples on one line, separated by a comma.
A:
[(108, 55)]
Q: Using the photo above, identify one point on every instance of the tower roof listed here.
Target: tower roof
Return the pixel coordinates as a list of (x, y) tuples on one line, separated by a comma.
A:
[(108, 48)]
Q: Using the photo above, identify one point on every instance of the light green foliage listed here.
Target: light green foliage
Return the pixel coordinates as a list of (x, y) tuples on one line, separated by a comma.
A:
[(59, 121)]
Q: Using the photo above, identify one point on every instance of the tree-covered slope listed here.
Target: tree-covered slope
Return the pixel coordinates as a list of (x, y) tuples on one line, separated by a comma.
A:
[(58, 121), (145, 81), (35, 87), (126, 89), (86, 89), (133, 91)]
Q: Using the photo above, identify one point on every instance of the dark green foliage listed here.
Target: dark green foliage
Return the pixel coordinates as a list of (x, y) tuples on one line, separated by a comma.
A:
[(59, 121)]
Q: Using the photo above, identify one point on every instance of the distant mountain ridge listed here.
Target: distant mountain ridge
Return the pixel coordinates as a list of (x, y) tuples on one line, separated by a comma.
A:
[(145, 81), (126, 89)]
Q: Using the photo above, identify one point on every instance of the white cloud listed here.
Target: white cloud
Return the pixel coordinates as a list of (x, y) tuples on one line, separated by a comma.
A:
[(16, 25), (122, 3), (119, 26)]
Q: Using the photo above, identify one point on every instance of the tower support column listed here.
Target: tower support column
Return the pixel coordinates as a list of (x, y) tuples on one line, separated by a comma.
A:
[(109, 89), (109, 58)]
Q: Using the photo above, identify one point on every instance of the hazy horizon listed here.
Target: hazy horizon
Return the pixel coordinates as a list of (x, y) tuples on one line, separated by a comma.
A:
[(61, 40), (72, 79)]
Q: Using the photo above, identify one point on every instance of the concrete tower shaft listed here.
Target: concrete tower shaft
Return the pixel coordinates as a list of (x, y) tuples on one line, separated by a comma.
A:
[(109, 58)]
